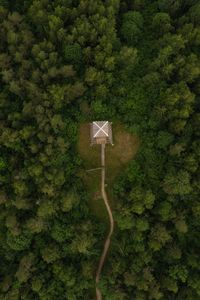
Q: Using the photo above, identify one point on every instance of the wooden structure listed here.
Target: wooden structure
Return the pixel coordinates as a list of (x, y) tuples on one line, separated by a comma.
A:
[(101, 132)]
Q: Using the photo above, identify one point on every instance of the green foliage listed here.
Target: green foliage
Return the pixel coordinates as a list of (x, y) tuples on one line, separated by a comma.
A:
[(73, 53), (46, 208), (170, 6), (50, 253), (2, 198), (64, 274), (60, 232), (36, 284), (177, 184), (159, 237), (2, 164), (124, 221), (161, 23), (133, 61), (181, 225), (69, 201), (82, 244), (142, 224), (23, 273), (156, 99), (19, 242), (195, 14), (35, 225), (164, 139), (4, 3), (132, 26), (178, 272), (141, 200)]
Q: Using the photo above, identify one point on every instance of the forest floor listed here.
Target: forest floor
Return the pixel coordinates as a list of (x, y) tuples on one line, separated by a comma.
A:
[(117, 156)]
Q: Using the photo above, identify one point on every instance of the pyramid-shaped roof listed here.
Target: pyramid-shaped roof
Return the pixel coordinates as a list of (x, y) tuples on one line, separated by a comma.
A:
[(101, 132), (100, 129)]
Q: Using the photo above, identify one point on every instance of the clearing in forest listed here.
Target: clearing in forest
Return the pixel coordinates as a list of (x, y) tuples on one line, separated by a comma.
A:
[(117, 156)]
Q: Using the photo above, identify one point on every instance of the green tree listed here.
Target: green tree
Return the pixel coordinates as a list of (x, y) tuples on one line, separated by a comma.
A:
[(161, 23), (178, 184), (132, 26), (25, 268)]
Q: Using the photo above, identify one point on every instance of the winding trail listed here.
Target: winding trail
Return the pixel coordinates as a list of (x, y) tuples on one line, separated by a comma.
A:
[(107, 241)]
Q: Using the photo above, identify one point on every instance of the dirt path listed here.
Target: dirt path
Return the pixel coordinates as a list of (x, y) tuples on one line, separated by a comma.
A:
[(107, 241)]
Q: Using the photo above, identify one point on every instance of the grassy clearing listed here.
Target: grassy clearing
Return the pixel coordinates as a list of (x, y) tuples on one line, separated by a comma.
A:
[(117, 156)]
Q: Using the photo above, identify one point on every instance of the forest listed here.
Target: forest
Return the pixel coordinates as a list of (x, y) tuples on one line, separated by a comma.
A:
[(136, 62)]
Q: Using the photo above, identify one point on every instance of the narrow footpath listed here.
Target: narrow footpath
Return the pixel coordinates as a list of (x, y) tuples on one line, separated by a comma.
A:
[(111, 229)]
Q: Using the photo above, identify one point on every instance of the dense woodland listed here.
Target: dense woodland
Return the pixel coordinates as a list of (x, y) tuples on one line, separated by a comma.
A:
[(136, 61)]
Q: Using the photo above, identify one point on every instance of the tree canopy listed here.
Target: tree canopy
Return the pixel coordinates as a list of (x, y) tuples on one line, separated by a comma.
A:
[(135, 62)]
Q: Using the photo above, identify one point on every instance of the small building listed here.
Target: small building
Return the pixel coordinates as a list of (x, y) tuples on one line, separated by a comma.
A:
[(101, 132)]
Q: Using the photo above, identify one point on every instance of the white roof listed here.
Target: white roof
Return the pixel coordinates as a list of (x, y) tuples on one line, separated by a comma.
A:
[(100, 129)]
